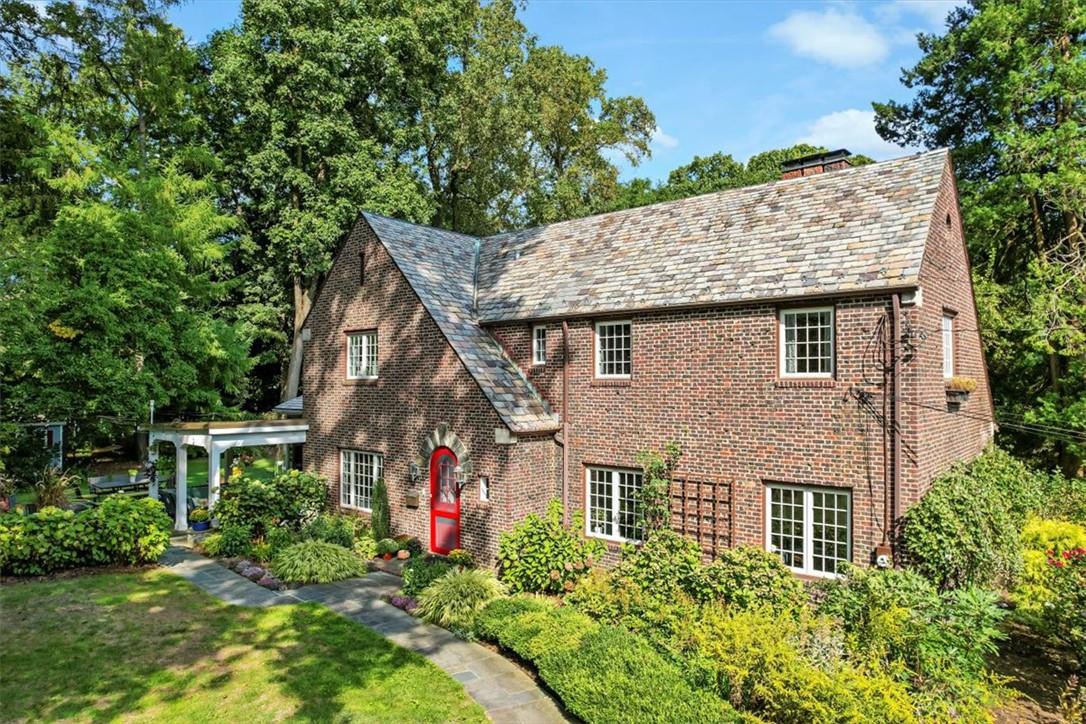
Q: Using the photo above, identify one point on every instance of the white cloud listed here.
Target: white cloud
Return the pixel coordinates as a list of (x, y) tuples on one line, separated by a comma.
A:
[(840, 38), (852, 129), (663, 140)]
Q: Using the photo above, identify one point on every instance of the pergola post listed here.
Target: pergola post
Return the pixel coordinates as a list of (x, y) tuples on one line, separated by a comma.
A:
[(152, 459), (214, 460), (181, 514)]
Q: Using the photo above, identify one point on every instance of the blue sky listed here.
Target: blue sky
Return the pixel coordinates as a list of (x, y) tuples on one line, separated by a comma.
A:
[(737, 77)]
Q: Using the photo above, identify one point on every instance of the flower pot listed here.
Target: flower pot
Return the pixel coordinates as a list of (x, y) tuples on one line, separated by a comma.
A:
[(387, 556), (403, 555), (132, 477), (202, 525)]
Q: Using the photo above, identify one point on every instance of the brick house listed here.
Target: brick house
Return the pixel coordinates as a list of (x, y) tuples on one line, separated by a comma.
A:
[(771, 331)]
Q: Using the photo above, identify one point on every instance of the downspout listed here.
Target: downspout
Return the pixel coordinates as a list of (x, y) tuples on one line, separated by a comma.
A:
[(895, 430), (565, 423), (887, 513)]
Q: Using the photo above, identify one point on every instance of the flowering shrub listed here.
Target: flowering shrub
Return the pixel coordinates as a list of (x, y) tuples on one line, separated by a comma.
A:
[(540, 555), (1041, 540)]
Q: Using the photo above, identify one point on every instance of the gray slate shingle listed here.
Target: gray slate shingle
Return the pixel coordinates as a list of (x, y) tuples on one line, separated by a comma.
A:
[(853, 230)]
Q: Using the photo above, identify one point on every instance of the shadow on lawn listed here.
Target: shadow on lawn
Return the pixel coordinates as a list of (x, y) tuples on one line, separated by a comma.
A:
[(141, 645)]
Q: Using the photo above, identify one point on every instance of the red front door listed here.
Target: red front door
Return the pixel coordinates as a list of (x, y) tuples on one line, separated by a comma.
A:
[(444, 502)]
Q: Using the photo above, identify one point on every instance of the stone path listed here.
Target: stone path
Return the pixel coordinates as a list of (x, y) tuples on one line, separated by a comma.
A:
[(502, 688)]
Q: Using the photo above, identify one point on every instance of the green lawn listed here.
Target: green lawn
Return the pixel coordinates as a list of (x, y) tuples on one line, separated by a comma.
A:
[(150, 646)]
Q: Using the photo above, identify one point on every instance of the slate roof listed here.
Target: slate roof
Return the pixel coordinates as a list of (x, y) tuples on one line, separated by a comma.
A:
[(851, 230), (440, 266), (291, 407)]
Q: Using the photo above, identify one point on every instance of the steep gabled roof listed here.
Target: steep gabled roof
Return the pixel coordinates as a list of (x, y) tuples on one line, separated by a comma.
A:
[(853, 230), (439, 266), (856, 229)]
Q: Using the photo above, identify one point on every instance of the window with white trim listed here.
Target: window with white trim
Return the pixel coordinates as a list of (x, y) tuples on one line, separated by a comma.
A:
[(809, 528), (948, 345), (614, 351), (539, 344), (612, 496), (806, 342), (362, 355), (358, 471)]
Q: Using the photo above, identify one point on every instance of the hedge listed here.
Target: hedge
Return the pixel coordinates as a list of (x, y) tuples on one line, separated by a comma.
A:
[(121, 530), (601, 673)]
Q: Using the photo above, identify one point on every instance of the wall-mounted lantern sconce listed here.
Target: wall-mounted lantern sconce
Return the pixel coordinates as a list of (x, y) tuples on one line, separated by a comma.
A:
[(413, 472), (460, 477)]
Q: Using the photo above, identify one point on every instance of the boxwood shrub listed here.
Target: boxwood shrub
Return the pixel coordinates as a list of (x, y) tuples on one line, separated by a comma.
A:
[(601, 673)]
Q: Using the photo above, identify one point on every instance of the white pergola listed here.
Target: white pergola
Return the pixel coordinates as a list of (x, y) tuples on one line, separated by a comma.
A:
[(216, 438)]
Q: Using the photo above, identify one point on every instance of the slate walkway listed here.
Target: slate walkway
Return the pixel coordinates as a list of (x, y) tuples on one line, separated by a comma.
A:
[(503, 689)]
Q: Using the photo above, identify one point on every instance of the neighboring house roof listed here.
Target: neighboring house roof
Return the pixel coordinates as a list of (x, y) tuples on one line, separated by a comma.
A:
[(291, 407), (855, 229), (439, 266)]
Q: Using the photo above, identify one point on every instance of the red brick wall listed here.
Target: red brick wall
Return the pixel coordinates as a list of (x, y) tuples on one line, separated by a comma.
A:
[(421, 384)]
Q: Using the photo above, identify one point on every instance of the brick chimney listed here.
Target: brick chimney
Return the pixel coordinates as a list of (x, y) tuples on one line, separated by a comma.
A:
[(816, 163)]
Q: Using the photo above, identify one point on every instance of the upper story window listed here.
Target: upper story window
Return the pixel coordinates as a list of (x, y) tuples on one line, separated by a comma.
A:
[(358, 471), (809, 528), (614, 352), (362, 355), (539, 344), (806, 342), (948, 345), (612, 503)]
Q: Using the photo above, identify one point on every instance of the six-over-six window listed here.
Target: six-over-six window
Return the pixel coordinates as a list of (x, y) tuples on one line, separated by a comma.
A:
[(614, 351), (806, 342), (612, 495), (358, 471), (539, 344), (809, 528), (362, 355)]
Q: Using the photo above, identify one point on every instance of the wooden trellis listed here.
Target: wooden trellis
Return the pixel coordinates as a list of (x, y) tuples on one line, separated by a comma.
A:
[(703, 510)]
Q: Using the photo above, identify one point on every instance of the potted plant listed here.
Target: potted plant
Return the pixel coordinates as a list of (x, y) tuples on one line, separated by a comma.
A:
[(200, 519), (132, 473), (403, 554), (386, 548), (958, 388)]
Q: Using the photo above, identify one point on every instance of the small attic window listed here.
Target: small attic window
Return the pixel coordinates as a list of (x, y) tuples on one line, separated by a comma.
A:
[(948, 221)]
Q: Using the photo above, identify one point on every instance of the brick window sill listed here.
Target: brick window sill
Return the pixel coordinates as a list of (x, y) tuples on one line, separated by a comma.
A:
[(361, 382), (602, 382), (806, 383)]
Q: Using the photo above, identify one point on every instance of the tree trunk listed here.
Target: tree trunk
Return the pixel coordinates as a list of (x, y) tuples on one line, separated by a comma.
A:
[(303, 300)]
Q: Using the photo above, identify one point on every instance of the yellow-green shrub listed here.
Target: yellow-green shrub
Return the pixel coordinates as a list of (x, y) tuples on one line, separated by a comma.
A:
[(1039, 536)]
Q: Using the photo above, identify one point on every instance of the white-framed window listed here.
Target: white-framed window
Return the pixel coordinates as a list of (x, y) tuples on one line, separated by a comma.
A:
[(612, 501), (806, 342), (809, 528), (614, 351), (362, 355), (948, 346), (484, 488), (358, 471), (539, 344)]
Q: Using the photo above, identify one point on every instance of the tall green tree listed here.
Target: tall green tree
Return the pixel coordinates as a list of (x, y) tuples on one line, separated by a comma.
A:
[(1005, 88), (111, 273)]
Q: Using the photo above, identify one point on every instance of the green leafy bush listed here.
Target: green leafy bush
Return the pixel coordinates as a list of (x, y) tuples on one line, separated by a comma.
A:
[(420, 572), (279, 538), (365, 547), (331, 528), (964, 531), (541, 555), (601, 673), (314, 561), (454, 599), (936, 643), (408, 543), (1043, 540), (380, 515), (1065, 616), (785, 669), (664, 565), (746, 577), (462, 558), (289, 499), (122, 530), (230, 541), (387, 545)]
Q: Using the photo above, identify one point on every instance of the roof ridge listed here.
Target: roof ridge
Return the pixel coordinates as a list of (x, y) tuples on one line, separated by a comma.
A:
[(443, 230), (722, 192)]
